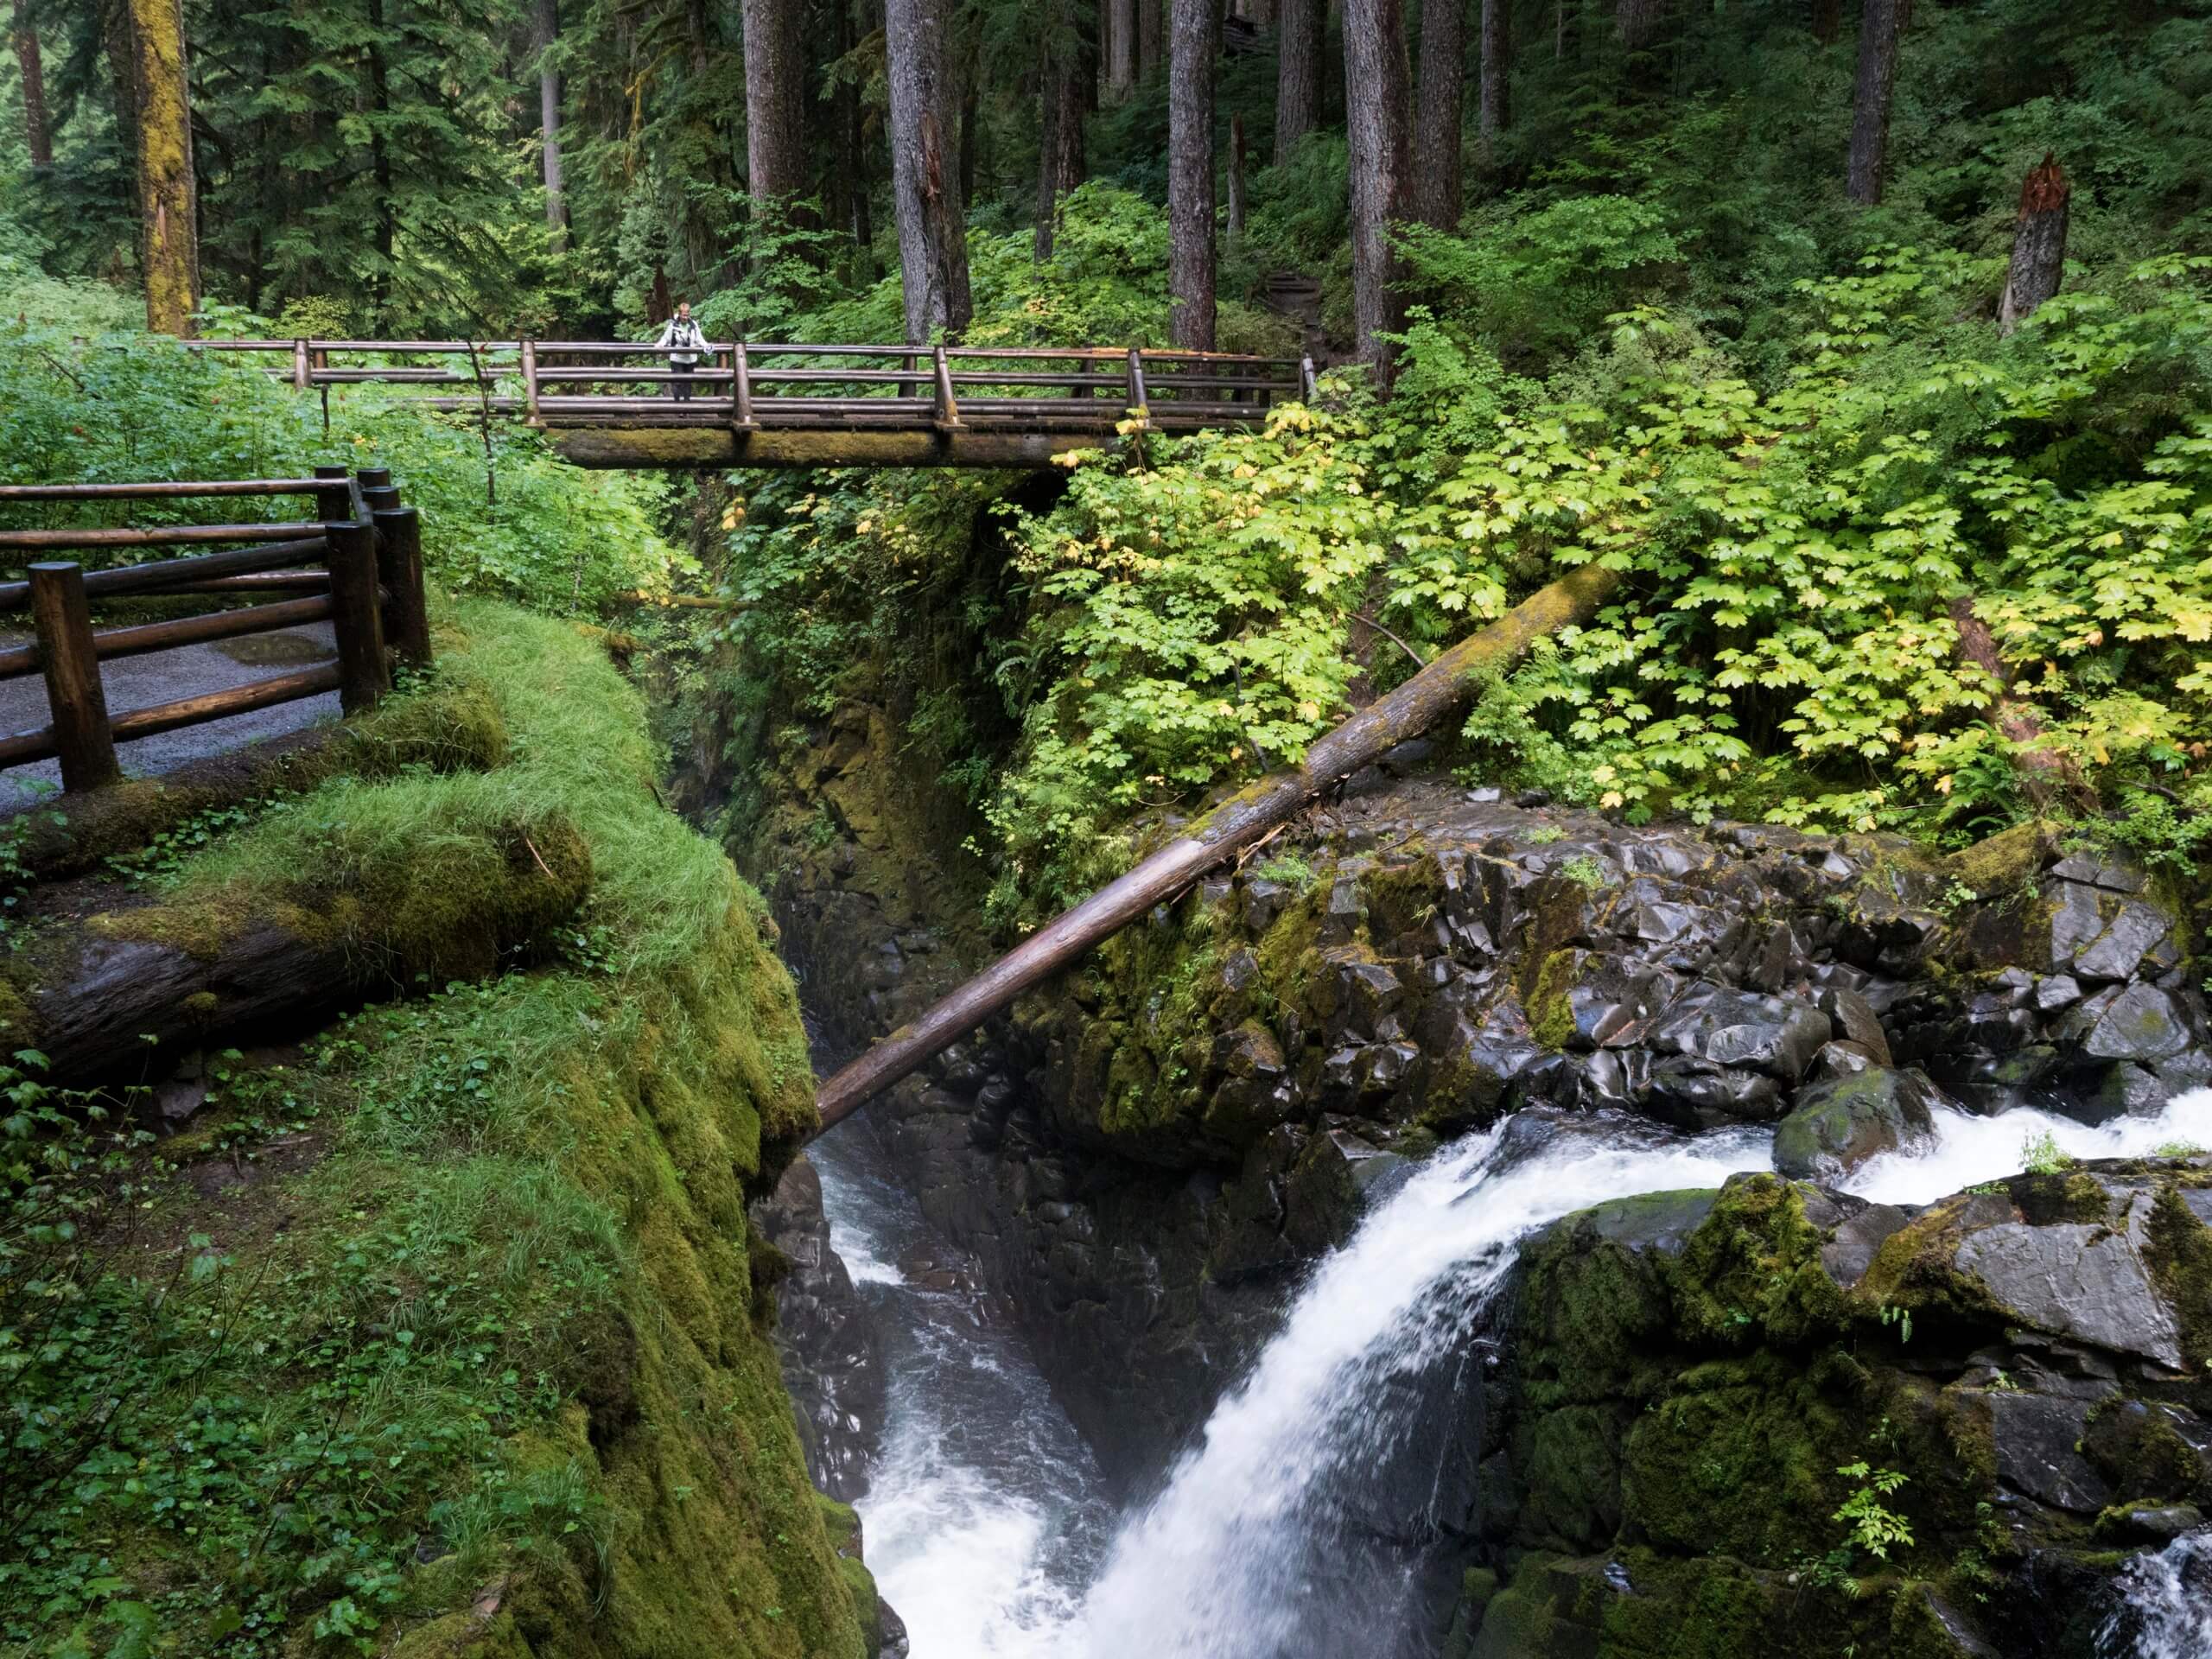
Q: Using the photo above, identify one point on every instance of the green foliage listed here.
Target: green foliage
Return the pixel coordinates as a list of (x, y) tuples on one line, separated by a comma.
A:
[(1875, 1527), (2040, 1155), (125, 405), (356, 1396)]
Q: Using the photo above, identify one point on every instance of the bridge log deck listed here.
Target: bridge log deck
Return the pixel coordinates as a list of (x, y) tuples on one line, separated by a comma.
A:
[(808, 405)]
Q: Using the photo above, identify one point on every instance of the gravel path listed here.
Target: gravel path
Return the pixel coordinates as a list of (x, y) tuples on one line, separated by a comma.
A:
[(163, 676)]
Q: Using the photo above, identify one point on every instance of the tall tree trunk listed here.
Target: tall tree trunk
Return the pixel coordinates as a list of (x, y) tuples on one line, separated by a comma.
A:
[(120, 45), (847, 122), (925, 182), (1148, 38), (1375, 106), (775, 102), (1060, 101), (169, 245), (1235, 179), (548, 25), (1298, 73), (1494, 101), (380, 153), (1880, 23), (1121, 45), (2039, 245), (1194, 37), (1637, 21), (1439, 111), (37, 138)]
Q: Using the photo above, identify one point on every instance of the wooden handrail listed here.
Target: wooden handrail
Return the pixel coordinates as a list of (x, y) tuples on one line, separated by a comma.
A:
[(371, 589), (158, 491)]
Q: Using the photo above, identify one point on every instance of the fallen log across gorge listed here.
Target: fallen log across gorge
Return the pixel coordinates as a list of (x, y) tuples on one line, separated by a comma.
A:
[(1439, 688)]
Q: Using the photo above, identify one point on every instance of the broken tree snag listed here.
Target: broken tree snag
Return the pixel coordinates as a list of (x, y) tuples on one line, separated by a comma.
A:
[(2039, 245), (1242, 819), (2047, 774)]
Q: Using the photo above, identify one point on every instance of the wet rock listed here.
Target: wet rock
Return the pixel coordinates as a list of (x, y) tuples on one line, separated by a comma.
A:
[(1403, 759), (2035, 1436), (1835, 1126), (2099, 871), (2141, 1023), (1841, 1060), (2075, 1279), (2116, 952), (1855, 1021), (1777, 1035), (830, 1361), (1701, 1094)]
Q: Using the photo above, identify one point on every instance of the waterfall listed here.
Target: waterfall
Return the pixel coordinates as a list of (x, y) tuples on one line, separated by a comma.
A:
[(2166, 1604), (1262, 1543)]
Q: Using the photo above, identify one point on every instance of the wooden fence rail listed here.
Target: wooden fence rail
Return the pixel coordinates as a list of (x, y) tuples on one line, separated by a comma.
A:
[(752, 385), (369, 588)]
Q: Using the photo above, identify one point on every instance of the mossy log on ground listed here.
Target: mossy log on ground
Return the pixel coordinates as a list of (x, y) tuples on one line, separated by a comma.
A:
[(1439, 688), (99, 1000)]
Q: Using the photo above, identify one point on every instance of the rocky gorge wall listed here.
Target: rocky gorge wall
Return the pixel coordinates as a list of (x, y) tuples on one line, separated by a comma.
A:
[(1145, 1157)]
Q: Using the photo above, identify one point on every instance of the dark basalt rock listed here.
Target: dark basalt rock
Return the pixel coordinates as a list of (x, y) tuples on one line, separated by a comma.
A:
[(1699, 1383), (831, 1368), (1407, 964), (1838, 1124)]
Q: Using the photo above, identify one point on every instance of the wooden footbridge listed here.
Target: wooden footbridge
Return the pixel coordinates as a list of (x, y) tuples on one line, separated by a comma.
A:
[(618, 403)]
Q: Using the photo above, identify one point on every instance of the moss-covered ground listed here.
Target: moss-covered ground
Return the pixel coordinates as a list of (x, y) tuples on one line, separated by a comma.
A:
[(443, 1332)]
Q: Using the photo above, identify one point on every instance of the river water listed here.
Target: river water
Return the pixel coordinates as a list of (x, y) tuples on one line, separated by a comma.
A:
[(986, 1524)]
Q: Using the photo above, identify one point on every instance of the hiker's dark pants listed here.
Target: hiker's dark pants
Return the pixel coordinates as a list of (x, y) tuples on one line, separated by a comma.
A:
[(683, 386)]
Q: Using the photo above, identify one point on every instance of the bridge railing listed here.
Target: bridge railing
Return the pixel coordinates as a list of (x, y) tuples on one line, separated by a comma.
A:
[(751, 385), (356, 565)]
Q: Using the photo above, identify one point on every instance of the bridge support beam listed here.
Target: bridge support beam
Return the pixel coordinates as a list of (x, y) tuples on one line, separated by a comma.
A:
[(693, 447)]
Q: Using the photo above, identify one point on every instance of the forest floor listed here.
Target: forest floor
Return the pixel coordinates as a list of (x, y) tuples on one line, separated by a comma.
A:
[(163, 676)]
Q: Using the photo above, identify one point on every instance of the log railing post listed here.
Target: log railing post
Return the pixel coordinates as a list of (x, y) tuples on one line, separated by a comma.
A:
[(300, 365), (948, 411), (742, 385), (399, 568), (63, 618), (1137, 409), (377, 488), (529, 379), (334, 501), (355, 616), (1309, 383)]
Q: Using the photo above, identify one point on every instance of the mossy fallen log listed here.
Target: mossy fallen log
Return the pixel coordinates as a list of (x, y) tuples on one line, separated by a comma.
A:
[(106, 1002), (1439, 688)]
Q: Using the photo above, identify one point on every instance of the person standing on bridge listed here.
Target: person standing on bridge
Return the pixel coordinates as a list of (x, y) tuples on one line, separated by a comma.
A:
[(682, 342)]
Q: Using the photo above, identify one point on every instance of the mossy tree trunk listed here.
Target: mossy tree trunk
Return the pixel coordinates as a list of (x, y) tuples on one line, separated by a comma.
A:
[(2048, 776), (168, 243), (1438, 689)]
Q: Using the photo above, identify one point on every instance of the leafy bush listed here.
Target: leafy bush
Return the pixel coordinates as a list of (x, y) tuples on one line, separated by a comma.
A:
[(122, 404)]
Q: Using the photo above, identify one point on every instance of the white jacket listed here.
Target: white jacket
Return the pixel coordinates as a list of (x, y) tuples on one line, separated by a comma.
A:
[(682, 340)]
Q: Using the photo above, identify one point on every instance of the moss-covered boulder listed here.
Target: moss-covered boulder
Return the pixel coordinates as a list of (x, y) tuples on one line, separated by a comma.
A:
[(1838, 1123), (1777, 1421)]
